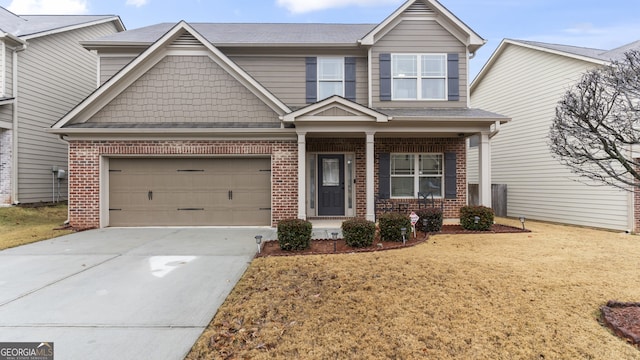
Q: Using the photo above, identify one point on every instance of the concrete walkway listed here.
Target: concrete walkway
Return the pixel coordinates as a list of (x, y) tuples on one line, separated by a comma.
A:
[(144, 293)]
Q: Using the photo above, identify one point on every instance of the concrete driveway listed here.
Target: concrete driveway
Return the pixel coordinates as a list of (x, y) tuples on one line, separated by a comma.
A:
[(143, 293)]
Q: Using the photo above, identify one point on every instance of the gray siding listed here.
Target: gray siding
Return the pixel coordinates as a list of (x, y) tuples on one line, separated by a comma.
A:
[(526, 85), (418, 36), (284, 76), (191, 89), (55, 73), (110, 65)]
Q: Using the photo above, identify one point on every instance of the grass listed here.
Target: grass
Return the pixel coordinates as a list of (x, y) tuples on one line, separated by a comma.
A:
[(24, 225), (495, 296)]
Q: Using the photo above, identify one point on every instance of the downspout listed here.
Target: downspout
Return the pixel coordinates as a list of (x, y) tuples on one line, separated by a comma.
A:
[(370, 75), (14, 141), (61, 136)]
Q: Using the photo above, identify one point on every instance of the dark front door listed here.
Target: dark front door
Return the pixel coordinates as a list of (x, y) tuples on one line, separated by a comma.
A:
[(331, 185)]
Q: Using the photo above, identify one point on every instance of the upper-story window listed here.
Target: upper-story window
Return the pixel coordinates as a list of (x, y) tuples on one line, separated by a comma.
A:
[(330, 77), (419, 76)]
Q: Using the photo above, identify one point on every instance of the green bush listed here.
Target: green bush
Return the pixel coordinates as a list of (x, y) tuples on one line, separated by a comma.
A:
[(469, 213), (434, 219), (294, 234), (390, 225), (358, 232)]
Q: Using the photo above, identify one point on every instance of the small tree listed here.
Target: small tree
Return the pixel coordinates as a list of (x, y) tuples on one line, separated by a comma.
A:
[(598, 121)]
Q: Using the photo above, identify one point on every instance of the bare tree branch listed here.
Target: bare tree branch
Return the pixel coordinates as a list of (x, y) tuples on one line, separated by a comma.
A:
[(597, 123)]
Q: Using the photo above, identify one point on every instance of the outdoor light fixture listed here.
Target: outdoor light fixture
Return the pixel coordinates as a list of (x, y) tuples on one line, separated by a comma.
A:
[(522, 220), (403, 231), (334, 235), (258, 242), (476, 219)]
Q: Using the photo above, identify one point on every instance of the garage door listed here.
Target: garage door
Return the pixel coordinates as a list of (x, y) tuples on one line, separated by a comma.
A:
[(189, 192)]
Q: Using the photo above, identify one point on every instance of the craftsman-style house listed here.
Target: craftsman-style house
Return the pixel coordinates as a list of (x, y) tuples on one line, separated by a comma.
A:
[(249, 124)]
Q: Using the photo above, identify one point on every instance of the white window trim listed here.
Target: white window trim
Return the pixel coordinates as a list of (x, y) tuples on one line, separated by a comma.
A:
[(318, 80), (419, 77), (416, 177)]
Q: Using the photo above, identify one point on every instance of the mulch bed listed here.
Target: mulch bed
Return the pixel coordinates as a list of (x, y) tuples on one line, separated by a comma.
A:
[(328, 246), (623, 319)]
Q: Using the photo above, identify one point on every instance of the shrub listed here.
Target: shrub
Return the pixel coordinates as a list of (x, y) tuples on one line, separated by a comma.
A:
[(294, 234), (469, 213), (390, 225), (358, 232), (434, 219)]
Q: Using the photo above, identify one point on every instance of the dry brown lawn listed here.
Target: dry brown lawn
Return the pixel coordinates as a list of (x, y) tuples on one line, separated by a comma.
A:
[(23, 225), (491, 296)]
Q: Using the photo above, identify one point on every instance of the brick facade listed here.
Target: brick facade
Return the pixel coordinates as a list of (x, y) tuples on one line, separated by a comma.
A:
[(6, 149), (85, 155), (397, 145), (430, 145), (84, 170)]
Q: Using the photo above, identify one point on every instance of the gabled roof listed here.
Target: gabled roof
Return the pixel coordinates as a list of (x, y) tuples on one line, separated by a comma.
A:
[(595, 56), (119, 82), (32, 26), (474, 40), (238, 34), (353, 110)]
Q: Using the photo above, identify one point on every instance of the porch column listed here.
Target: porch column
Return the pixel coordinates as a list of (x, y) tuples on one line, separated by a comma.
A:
[(302, 177), (370, 181), (484, 170)]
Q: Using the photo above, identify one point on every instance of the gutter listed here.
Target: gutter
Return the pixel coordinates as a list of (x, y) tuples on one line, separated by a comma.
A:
[(14, 140), (496, 130)]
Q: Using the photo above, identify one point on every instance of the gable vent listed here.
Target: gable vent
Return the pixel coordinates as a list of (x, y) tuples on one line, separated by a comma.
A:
[(185, 39), (419, 8)]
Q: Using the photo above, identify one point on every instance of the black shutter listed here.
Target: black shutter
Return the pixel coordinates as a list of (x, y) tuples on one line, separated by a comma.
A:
[(384, 176), (385, 77), (450, 176), (312, 80), (453, 77), (350, 78)]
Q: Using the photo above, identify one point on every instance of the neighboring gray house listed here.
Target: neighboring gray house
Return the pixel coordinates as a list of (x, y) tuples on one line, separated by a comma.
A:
[(525, 80), (249, 124), (44, 72)]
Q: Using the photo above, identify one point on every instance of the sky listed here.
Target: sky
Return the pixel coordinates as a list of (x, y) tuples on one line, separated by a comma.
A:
[(589, 23)]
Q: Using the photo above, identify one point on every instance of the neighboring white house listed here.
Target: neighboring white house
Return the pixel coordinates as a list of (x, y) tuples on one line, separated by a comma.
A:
[(525, 80), (44, 72)]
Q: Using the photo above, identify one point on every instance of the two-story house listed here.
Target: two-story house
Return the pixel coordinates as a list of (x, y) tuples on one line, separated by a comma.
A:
[(44, 73), (249, 124)]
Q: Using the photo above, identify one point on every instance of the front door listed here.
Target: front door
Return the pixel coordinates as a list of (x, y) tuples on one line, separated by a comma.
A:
[(331, 185)]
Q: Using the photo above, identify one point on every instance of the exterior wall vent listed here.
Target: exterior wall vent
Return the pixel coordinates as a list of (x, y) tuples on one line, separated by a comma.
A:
[(186, 39), (419, 8)]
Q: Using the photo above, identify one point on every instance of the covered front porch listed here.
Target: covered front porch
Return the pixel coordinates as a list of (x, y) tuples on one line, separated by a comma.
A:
[(351, 157)]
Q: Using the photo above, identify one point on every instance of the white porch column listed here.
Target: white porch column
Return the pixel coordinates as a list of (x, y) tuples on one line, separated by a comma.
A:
[(370, 181), (302, 176), (484, 170)]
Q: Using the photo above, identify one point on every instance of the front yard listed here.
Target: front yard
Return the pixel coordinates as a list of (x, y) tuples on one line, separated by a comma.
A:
[(23, 225), (496, 296)]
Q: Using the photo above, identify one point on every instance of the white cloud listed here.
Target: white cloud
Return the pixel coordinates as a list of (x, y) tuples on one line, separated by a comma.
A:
[(137, 3), (48, 7), (304, 6)]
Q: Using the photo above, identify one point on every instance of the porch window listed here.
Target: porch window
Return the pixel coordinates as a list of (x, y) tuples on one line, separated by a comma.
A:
[(419, 76), (413, 173), (330, 77)]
